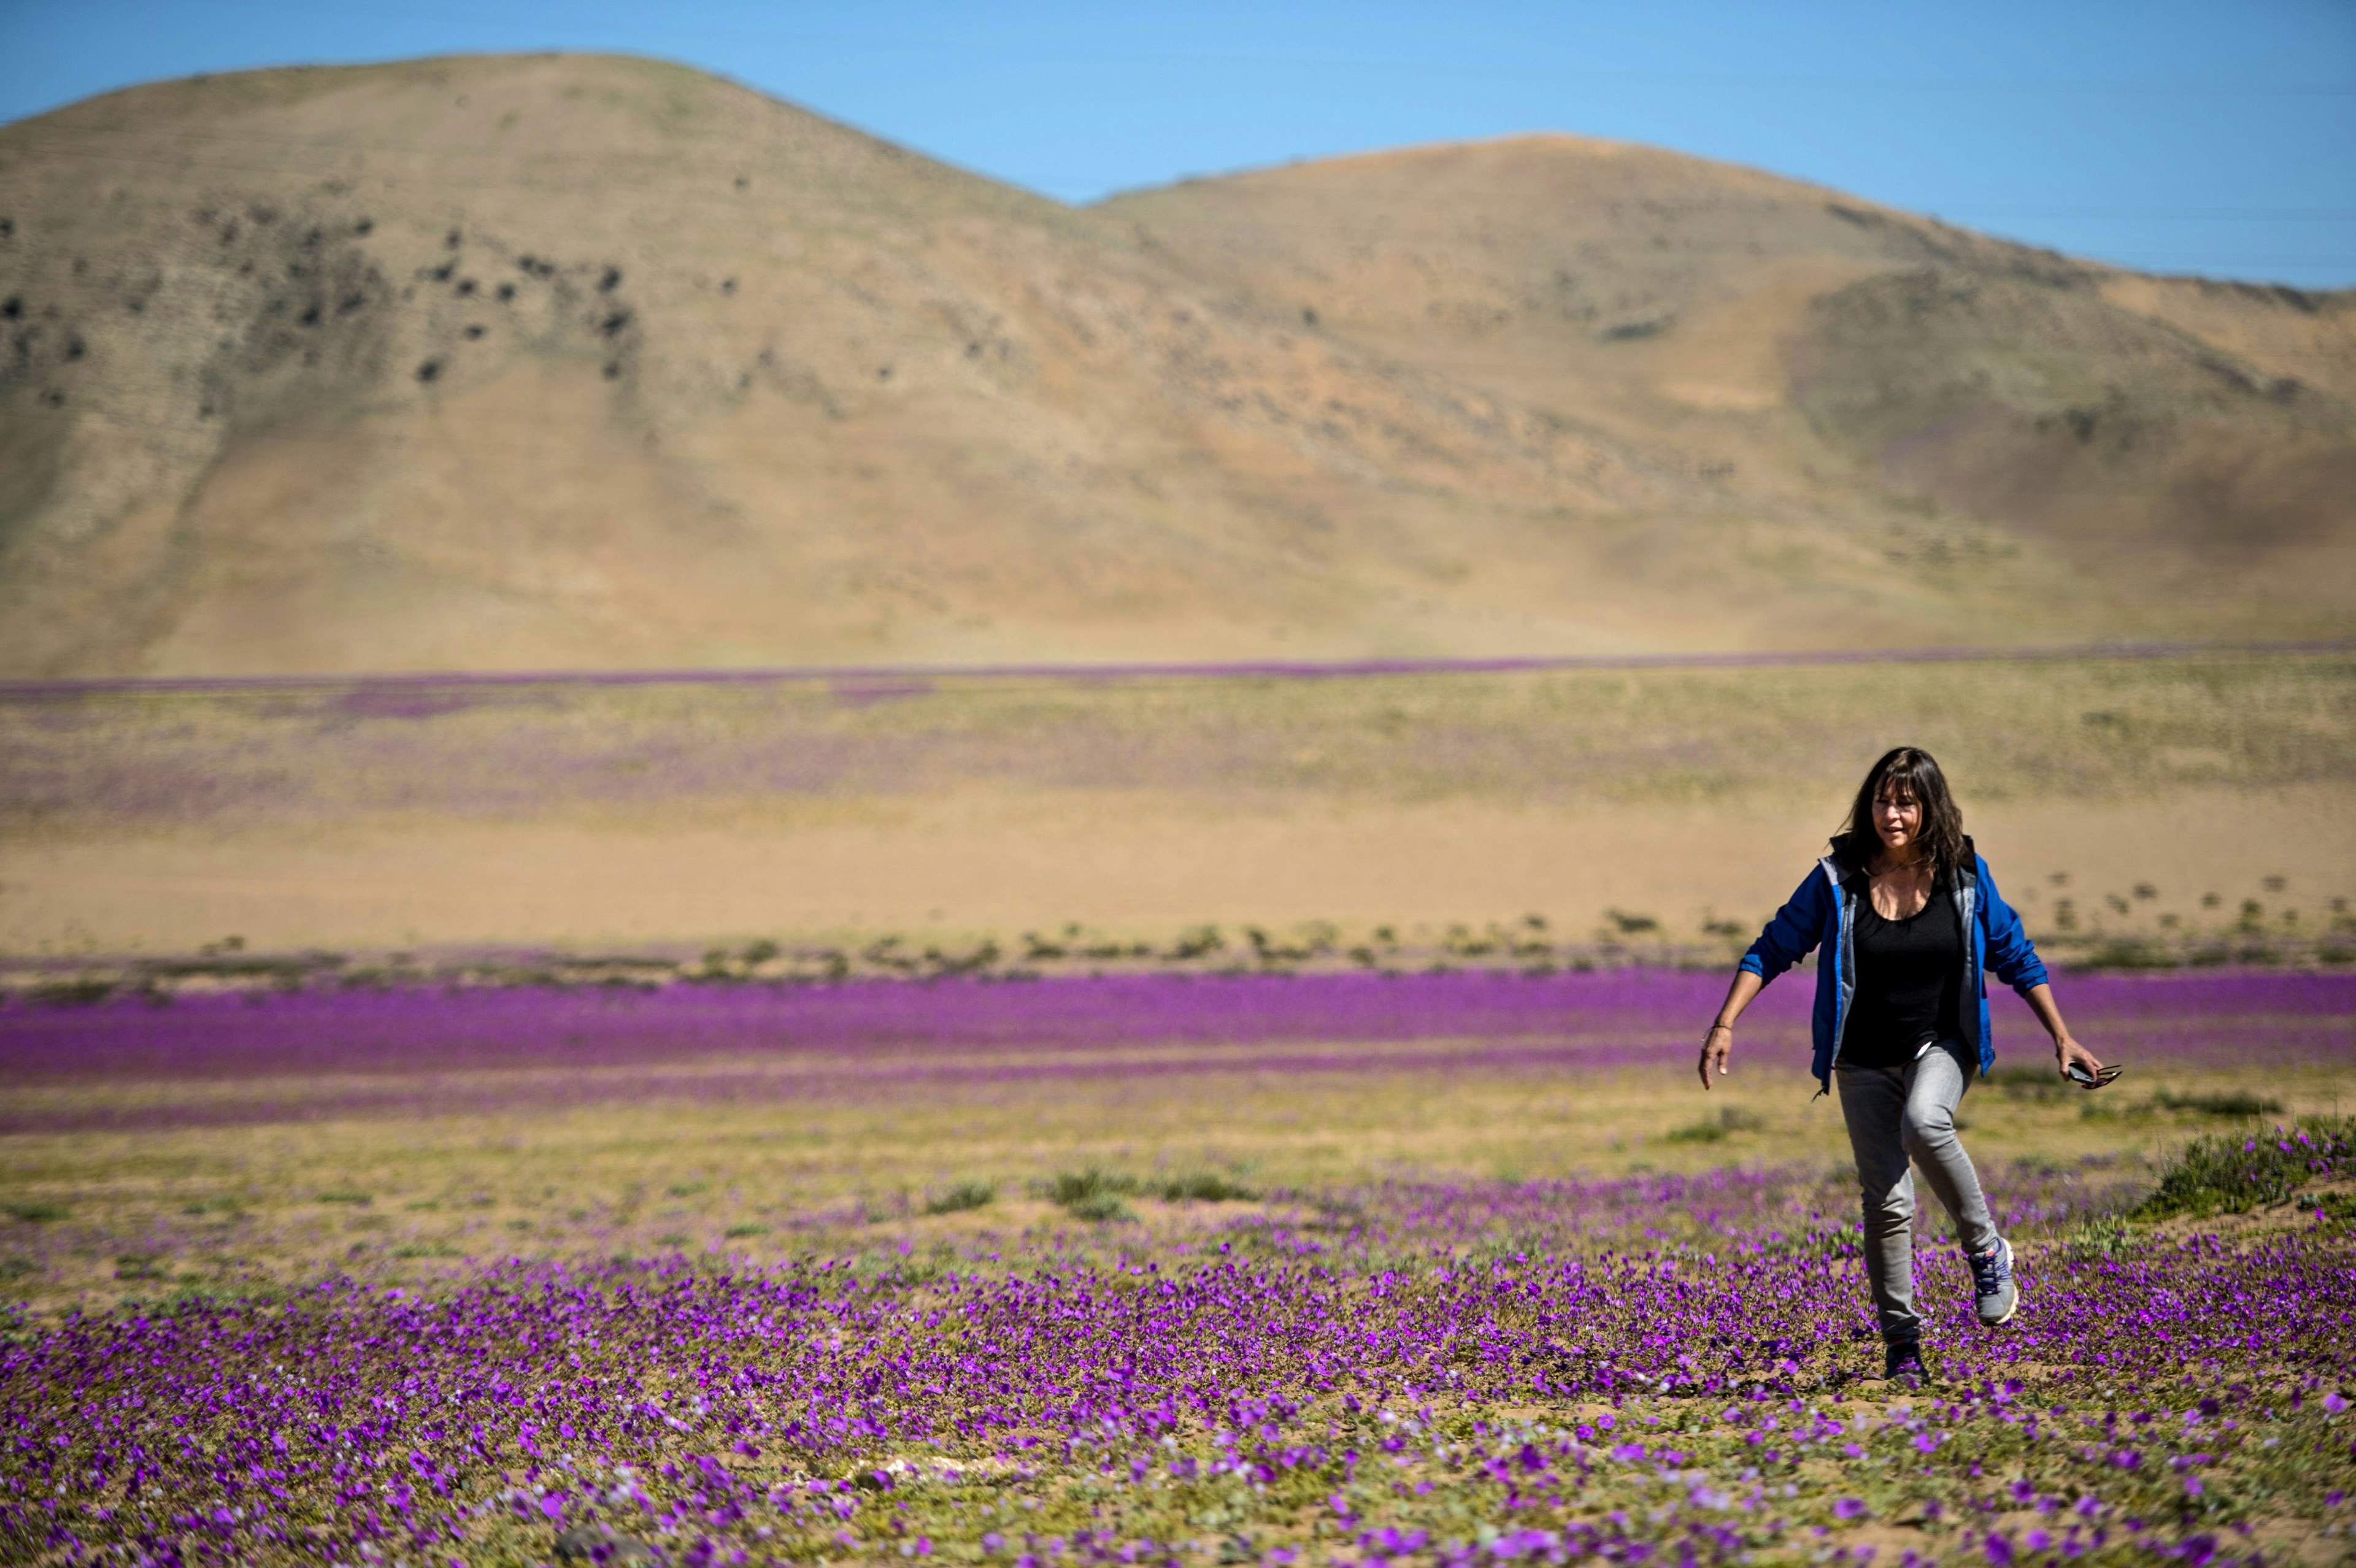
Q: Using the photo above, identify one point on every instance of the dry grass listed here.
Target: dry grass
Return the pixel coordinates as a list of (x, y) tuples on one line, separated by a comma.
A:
[(2137, 790), (413, 1201)]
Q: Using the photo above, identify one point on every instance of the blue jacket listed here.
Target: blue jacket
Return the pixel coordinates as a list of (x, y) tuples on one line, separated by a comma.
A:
[(1823, 910)]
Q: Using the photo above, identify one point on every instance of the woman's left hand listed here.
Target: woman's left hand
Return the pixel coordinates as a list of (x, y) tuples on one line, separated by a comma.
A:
[(2069, 1053)]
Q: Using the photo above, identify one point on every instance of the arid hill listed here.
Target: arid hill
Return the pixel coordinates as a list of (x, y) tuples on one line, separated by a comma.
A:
[(1806, 348), (564, 361)]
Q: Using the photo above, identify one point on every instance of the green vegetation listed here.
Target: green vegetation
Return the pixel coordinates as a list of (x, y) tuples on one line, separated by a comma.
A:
[(962, 1196), (2231, 1174), (1100, 1206), (75, 993), (2232, 1103), (1095, 1194), (2104, 1236), (1203, 1187), (1092, 1194)]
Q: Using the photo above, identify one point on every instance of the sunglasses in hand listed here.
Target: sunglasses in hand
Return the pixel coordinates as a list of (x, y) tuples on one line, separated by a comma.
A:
[(2094, 1080)]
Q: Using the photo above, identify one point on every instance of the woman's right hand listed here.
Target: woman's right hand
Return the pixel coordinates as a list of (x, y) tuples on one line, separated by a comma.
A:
[(1719, 1043), (1716, 1046)]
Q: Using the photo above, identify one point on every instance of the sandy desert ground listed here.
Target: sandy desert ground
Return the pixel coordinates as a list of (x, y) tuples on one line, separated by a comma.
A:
[(369, 819)]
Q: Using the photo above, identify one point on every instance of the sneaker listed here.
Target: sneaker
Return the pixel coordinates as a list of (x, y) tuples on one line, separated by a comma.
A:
[(1992, 1283), (1903, 1362)]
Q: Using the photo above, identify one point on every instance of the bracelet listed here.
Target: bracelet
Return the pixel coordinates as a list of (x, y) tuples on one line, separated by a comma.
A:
[(1715, 1028)]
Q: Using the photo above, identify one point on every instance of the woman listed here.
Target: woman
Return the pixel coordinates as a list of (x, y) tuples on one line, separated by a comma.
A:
[(1911, 925)]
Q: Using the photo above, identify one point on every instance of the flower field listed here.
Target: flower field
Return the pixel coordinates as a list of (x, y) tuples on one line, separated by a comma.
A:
[(320, 1053), (1233, 1404), (1284, 1270)]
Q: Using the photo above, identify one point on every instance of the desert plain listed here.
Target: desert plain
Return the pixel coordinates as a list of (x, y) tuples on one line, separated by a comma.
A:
[(1210, 1117), (717, 844)]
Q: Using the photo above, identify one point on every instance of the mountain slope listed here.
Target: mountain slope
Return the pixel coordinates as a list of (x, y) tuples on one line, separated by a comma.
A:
[(550, 361), (2194, 442)]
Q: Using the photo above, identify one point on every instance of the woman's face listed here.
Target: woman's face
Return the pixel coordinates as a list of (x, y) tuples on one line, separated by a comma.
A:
[(1897, 817)]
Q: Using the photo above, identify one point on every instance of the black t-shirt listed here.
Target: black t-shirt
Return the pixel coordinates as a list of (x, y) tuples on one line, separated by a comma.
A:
[(1908, 980)]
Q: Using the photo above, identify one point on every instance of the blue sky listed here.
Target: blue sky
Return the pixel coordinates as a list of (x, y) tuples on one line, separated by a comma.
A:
[(2199, 137)]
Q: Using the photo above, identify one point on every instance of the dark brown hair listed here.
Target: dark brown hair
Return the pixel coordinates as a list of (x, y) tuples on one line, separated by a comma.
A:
[(1915, 774)]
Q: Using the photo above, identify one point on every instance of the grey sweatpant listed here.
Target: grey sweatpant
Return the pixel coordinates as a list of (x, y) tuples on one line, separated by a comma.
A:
[(1895, 1112)]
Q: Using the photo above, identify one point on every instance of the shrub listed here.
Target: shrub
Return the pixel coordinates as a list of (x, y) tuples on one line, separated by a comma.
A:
[(1092, 1194), (1099, 1206), (2129, 952), (972, 962), (71, 993), (2094, 1240), (2233, 1102), (1197, 942), (1201, 1187), (1070, 1187), (2230, 1174), (963, 1196)]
